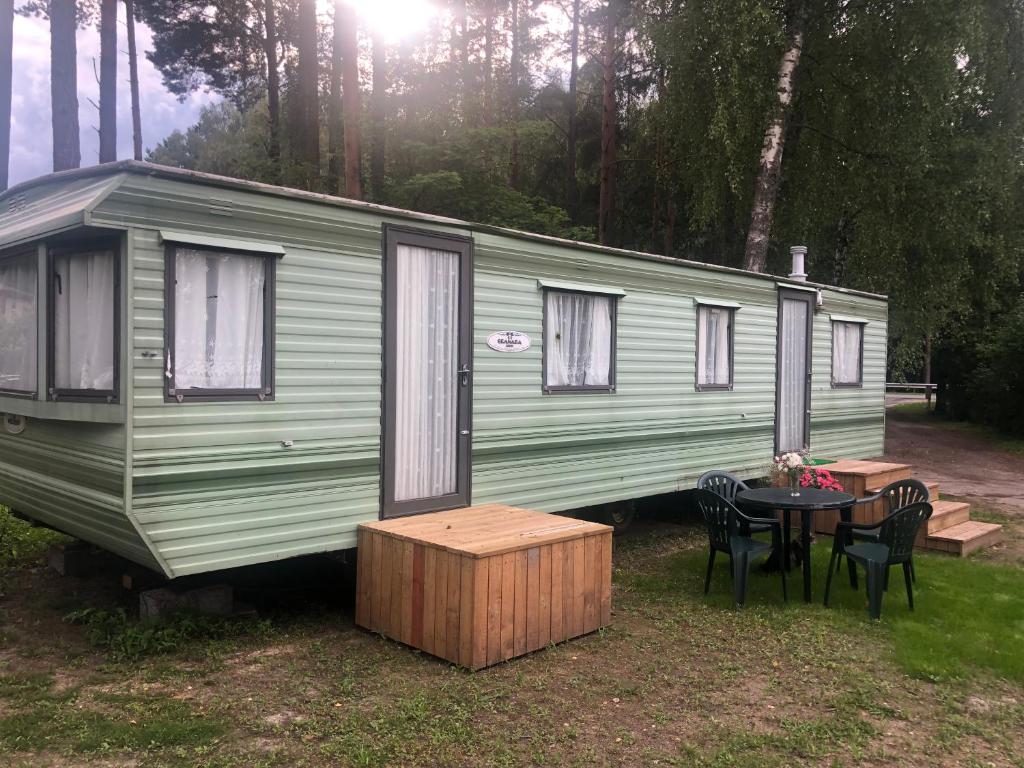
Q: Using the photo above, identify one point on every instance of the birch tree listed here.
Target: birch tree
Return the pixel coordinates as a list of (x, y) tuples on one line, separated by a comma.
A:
[(769, 174)]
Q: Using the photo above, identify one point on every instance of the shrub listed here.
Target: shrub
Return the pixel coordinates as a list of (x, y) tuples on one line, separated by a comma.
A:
[(127, 640)]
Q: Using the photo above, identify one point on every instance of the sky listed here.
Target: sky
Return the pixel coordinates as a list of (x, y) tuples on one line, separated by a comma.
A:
[(31, 136)]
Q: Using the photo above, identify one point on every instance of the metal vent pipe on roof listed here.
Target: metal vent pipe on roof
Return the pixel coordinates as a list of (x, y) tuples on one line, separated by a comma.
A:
[(798, 252)]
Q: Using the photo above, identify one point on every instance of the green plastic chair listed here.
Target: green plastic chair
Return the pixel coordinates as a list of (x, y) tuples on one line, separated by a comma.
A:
[(894, 546), (727, 486), (723, 522), (897, 495)]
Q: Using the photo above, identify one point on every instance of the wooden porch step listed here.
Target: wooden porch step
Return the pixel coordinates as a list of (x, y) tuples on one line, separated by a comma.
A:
[(945, 515), (964, 538), (858, 476)]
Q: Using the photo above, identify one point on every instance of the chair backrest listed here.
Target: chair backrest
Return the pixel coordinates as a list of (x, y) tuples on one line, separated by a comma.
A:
[(722, 483), (903, 493), (899, 529), (719, 517)]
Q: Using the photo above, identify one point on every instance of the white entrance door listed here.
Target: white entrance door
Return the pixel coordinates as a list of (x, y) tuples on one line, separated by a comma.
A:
[(793, 371), (427, 373)]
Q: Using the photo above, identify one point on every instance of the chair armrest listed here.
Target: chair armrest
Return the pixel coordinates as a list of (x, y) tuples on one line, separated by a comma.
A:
[(867, 499), (761, 520), (858, 526)]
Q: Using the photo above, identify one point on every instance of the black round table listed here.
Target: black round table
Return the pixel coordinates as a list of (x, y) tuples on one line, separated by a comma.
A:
[(809, 501)]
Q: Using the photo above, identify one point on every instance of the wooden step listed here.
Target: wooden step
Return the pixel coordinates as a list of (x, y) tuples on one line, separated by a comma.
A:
[(945, 514), (964, 538), (857, 476)]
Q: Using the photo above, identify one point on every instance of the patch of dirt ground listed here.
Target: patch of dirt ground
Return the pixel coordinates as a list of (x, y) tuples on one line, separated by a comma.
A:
[(968, 468)]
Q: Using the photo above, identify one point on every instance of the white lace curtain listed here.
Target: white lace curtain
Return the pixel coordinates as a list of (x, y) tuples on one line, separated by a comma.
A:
[(426, 378), (578, 339), (713, 354), (84, 320), (18, 290), (846, 346), (793, 374), (218, 320)]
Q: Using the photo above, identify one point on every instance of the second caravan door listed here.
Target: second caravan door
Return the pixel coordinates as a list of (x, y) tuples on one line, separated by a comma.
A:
[(427, 372), (793, 371)]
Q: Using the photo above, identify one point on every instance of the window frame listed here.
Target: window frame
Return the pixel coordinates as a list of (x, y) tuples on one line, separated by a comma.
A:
[(608, 388), (859, 383), (698, 387), (110, 396), (267, 389), (32, 254)]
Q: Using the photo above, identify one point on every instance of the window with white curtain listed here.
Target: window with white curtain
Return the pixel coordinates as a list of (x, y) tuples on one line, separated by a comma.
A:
[(84, 288), (847, 352), (579, 341), (220, 332), (18, 306), (714, 347)]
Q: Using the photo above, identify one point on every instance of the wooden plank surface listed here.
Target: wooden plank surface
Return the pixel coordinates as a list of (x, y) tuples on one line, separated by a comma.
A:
[(495, 583), (452, 612), (508, 603), (429, 598), (487, 530), (478, 631), (532, 598), (591, 588), (494, 577), (606, 580), (557, 557), (519, 633), (579, 586), (466, 614), (544, 599)]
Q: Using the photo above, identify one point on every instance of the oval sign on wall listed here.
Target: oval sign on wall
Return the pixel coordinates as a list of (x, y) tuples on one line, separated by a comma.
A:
[(509, 341)]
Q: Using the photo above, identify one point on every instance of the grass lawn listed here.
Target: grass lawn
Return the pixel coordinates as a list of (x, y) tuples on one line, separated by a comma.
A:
[(677, 679)]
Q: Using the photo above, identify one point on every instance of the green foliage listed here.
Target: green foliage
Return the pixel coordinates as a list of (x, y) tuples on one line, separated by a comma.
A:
[(903, 166), (22, 543), (980, 369), (126, 640)]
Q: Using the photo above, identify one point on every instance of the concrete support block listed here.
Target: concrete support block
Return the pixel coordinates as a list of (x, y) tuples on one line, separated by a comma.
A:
[(74, 559), (164, 602)]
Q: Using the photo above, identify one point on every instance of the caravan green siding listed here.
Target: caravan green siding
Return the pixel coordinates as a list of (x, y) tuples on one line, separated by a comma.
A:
[(200, 486)]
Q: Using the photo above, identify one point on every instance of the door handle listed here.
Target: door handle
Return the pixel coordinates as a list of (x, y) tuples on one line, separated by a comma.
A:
[(464, 372)]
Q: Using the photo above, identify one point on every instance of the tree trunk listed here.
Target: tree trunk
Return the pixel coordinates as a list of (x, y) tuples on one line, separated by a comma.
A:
[(377, 116), (67, 151), (514, 66), (606, 203), (488, 61), (571, 191), (769, 172), (108, 81), (6, 65), (309, 107), (350, 101), (273, 79), (927, 371), (335, 135), (133, 79), (670, 228)]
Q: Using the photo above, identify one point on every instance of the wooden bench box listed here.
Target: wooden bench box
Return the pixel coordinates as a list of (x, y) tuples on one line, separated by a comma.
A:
[(483, 584)]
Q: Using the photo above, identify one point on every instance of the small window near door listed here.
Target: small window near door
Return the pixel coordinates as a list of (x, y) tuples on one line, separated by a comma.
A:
[(18, 303), (847, 354), (579, 342), (714, 347), (219, 325), (83, 324)]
